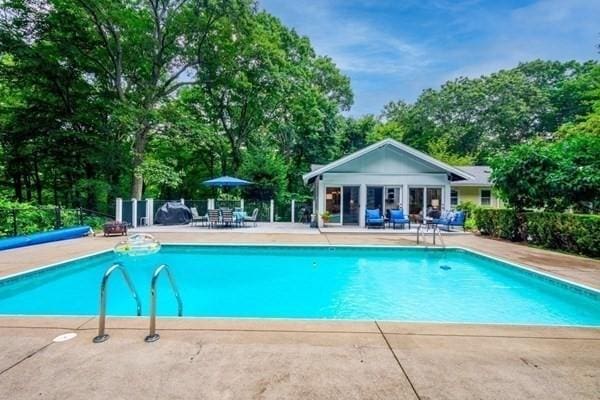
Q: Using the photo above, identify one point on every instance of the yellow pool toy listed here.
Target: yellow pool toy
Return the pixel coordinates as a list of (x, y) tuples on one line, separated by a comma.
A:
[(138, 245)]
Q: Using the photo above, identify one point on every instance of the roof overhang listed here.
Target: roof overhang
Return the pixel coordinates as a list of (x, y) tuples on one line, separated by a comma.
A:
[(456, 174)]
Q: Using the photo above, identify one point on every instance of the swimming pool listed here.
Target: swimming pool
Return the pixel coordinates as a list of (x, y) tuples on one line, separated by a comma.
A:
[(356, 283)]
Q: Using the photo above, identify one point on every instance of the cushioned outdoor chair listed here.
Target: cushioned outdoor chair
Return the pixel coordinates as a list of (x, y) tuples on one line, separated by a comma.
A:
[(452, 219), (373, 218), (397, 217)]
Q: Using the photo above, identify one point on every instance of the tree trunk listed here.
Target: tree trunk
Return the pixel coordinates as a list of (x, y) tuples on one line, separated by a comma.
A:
[(139, 149), (17, 185), (38, 182)]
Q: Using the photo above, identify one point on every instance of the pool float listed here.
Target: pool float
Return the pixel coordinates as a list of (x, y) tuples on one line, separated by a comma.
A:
[(138, 245)]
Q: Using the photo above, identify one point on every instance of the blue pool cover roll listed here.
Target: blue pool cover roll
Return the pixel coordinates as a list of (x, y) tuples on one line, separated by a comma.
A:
[(44, 237)]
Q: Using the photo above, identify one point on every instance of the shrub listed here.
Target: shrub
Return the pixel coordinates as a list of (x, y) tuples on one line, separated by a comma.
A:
[(469, 208), (39, 218), (499, 223), (575, 233)]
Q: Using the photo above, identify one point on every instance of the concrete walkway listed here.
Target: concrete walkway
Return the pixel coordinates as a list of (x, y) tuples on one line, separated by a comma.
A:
[(278, 359), (235, 359)]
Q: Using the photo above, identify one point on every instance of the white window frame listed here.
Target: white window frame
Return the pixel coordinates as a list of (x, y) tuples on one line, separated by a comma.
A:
[(457, 198), (481, 197)]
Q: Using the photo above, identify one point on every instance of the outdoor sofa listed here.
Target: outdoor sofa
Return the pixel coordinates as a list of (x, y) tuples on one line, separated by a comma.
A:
[(451, 219)]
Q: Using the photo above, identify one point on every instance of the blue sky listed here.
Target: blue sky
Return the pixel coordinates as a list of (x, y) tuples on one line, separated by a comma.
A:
[(393, 49)]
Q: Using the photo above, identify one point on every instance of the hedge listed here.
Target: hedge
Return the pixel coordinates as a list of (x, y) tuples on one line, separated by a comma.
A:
[(575, 233), (499, 223)]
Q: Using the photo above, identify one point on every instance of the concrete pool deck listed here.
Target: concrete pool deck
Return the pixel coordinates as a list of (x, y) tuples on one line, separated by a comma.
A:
[(276, 359)]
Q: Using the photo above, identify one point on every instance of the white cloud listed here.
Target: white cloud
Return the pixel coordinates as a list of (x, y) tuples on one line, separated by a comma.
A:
[(445, 39), (356, 45)]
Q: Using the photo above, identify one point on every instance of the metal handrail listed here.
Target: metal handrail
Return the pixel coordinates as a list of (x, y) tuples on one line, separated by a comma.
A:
[(435, 229), (152, 335), (439, 232), (102, 336)]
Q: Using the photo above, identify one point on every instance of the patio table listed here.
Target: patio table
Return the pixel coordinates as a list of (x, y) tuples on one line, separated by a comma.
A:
[(239, 216)]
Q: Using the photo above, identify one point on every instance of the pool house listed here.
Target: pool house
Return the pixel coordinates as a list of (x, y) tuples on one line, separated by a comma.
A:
[(385, 175)]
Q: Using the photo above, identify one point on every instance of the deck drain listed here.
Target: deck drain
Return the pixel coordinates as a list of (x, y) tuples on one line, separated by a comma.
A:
[(445, 267), (64, 337)]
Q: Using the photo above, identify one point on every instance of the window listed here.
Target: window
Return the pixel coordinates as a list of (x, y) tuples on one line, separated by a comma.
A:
[(485, 198), (453, 198)]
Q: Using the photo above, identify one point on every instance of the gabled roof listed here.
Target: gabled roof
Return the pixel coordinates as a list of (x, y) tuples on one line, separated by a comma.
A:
[(481, 176), (456, 173)]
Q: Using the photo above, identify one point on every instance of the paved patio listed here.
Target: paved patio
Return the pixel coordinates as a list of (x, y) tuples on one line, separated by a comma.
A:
[(274, 359)]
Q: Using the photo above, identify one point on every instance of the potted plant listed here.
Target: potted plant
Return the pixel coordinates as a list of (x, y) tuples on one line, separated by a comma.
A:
[(326, 217)]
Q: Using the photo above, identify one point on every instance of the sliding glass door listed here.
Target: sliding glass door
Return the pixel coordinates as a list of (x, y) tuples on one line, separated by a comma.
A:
[(434, 199), (425, 201), (375, 197), (416, 198), (333, 203), (350, 205)]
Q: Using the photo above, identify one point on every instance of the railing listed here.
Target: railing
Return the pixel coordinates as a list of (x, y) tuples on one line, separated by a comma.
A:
[(102, 336), (152, 335), (32, 219), (292, 210), (435, 229)]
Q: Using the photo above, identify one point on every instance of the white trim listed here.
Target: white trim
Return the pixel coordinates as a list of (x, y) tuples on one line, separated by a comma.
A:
[(407, 149)]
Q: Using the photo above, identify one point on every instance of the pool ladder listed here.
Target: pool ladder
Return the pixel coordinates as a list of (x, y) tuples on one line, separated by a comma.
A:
[(435, 230), (152, 335)]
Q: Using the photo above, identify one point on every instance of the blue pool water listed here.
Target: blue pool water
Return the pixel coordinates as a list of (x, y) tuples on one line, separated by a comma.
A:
[(402, 284)]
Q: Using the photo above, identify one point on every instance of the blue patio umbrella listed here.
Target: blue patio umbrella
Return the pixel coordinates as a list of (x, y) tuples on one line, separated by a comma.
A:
[(226, 181)]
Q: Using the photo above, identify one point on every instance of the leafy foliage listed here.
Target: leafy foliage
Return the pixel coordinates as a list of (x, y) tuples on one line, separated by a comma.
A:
[(267, 171), (25, 218), (553, 175), (573, 233), (499, 223), (108, 98), (567, 232)]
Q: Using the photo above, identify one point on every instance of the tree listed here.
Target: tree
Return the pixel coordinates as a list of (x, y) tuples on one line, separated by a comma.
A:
[(553, 175), (477, 117), (355, 133), (519, 175), (267, 171), (141, 53)]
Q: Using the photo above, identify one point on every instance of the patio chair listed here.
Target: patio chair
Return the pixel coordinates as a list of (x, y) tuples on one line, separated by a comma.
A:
[(374, 218), (253, 218), (213, 218), (196, 217), (227, 216), (397, 218)]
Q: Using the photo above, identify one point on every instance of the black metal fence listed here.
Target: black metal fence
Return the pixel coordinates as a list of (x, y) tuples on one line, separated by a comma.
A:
[(31, 219), (264, 209), (228, 204)]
